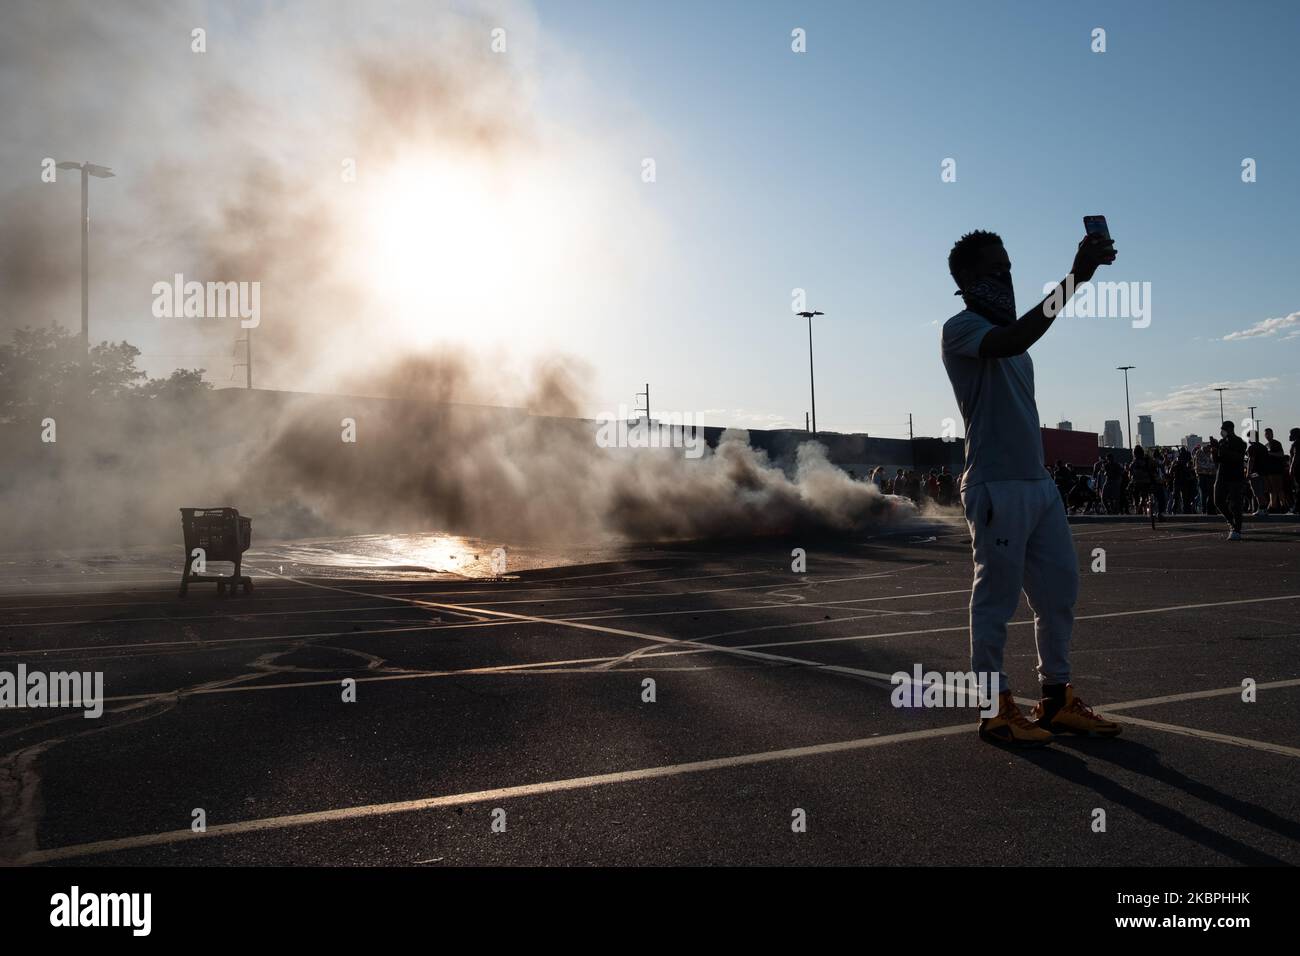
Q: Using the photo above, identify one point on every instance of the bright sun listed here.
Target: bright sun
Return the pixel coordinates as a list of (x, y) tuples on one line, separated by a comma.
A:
[(448, 244)]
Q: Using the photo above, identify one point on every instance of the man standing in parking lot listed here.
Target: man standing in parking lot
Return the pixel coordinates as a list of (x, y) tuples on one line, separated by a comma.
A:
[(1020, 536)]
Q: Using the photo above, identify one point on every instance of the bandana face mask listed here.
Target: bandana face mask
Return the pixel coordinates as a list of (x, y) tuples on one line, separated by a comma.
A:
[(993, 296)]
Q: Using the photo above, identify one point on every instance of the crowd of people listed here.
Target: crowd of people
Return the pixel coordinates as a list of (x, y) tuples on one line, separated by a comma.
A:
[(1256, 478), (1156, 481), (937, 485)]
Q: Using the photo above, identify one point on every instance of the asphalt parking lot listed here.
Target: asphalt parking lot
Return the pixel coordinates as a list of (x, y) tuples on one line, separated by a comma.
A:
[(506, 721)]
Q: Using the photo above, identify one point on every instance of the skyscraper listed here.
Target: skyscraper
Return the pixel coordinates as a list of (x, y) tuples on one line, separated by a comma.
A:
[(1191, 441), (1146, 431), (1112, 436), (1065, 426)]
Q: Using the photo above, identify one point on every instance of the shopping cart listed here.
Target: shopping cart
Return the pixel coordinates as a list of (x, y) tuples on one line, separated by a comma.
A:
[(221, 535)]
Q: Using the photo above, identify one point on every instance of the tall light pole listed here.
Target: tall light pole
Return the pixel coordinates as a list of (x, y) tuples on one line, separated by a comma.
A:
[(812, 386), (1128, 413), (100, 172), (247, 364), (1225, 388)]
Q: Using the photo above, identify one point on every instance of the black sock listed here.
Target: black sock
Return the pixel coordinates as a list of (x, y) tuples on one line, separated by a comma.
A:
[(1054, 692)]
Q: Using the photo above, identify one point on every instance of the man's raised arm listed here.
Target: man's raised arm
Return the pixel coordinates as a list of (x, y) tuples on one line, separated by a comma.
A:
[(1005, 341)]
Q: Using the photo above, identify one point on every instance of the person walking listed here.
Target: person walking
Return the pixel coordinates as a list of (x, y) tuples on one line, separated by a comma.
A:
[(1275, 474), (1229, 477), (1293, 469), (1256, 468), (1205, 478), (1184, 478), (1114, 487), (1142, 481)]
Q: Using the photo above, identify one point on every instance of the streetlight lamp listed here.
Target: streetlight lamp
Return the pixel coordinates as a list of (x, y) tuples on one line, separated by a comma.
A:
[(1225, 388), (1128, 413), (812, 387), (99, 172)]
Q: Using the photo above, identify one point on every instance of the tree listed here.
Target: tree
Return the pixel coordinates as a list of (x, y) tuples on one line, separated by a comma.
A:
[(181, 384), (36, 368), (41, 370), (112, 370)]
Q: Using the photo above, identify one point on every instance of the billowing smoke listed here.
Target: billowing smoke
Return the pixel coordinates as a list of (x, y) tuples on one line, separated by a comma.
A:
[(385, 175), (539, 475), (306, 465), (268, 149)]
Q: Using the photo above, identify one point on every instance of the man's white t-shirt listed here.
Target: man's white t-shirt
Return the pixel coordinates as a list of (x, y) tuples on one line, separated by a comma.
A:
[(996, 398)]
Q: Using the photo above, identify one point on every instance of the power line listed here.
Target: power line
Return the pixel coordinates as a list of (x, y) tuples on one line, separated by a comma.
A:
[(182, 355)]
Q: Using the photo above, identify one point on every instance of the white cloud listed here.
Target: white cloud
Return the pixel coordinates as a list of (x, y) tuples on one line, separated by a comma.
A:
[(743, 418), (1290, 324), (1199, 400)]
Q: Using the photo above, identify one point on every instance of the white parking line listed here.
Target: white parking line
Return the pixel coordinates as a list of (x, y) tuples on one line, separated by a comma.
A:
[(219, 642), (1079, 617), (696, 647), (604, 615), (1199, 695), (187, 619), (1210, 735), (480, 796), (581, 783)]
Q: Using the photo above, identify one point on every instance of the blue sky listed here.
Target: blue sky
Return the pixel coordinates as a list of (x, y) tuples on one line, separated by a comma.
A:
[(822, 171), (775, 170)]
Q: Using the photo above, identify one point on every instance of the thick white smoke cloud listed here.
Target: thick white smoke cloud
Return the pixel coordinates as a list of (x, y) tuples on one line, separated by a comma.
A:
[(508, 229)]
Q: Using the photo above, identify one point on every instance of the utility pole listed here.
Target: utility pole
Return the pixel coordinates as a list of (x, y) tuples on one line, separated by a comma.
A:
[(248, 358), (812, 384), (1127, 411), (805, 421), (85, 262), (100, 172)]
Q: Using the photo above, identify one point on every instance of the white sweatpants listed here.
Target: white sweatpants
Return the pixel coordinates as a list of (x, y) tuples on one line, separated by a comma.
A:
[(1021, 540)]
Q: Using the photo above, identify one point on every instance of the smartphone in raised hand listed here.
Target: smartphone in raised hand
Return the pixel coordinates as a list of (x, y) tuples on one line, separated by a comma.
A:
[(1096, 226)]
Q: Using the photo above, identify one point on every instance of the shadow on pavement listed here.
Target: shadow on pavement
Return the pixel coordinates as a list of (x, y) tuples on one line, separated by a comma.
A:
[(1066, 759)]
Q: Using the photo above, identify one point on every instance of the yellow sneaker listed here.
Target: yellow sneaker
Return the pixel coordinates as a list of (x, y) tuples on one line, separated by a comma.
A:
[(1072, 716), (1011, 727)]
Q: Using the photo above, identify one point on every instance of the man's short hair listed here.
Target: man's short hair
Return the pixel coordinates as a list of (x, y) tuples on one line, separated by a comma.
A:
[(965, 249)]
